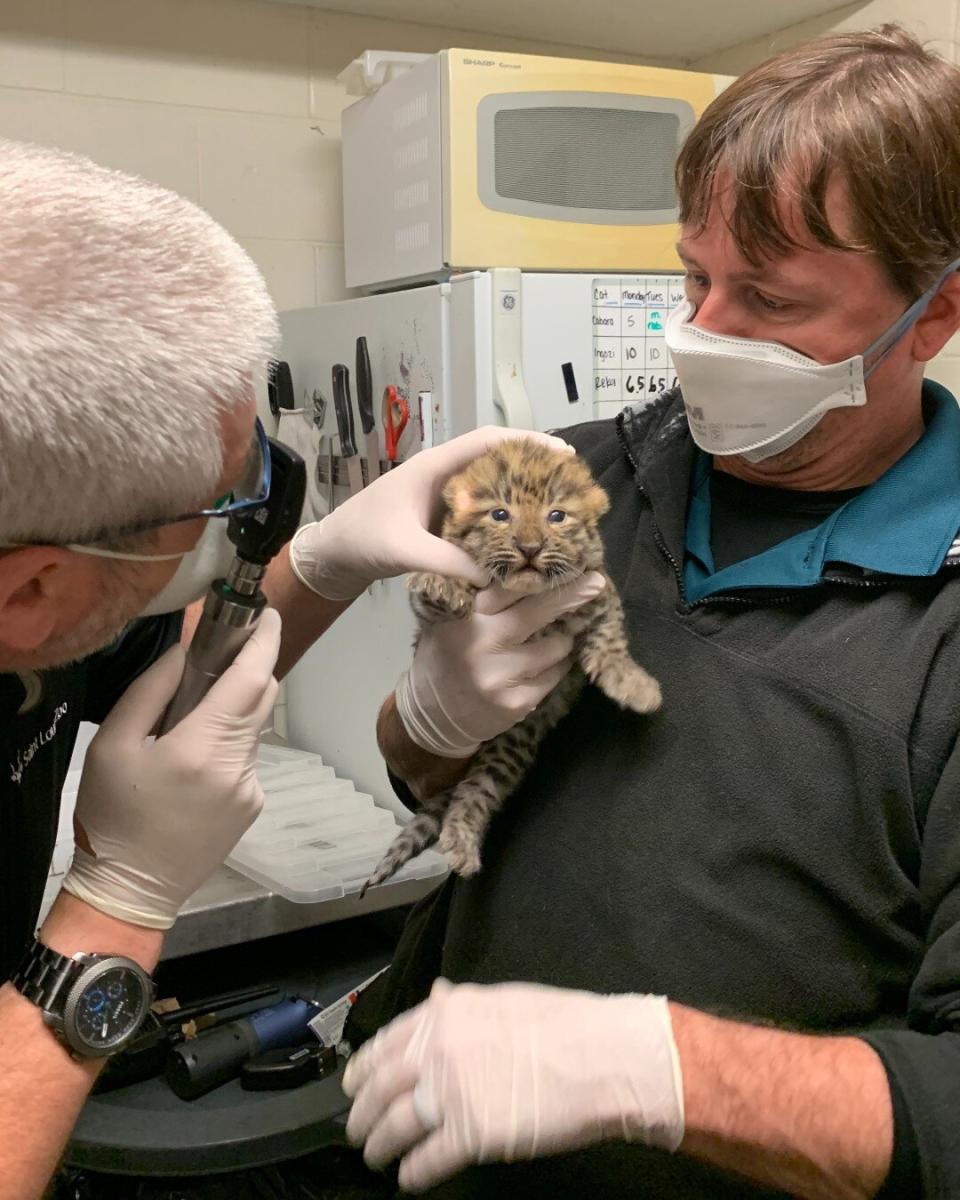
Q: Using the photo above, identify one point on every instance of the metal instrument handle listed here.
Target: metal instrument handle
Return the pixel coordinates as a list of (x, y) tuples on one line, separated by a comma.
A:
[(221, 634)]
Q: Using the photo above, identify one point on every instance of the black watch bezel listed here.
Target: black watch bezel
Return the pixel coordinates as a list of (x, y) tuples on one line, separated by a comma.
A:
[(56, 984), (91, 972)]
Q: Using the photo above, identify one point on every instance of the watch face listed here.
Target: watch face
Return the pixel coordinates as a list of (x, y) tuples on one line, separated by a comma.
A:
[(106, 1010)]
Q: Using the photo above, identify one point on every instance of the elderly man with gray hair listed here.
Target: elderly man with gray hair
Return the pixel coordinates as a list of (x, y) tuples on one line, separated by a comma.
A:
[(132, 331)]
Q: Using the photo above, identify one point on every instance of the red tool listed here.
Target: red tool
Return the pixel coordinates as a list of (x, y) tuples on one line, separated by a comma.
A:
[(396, 414)]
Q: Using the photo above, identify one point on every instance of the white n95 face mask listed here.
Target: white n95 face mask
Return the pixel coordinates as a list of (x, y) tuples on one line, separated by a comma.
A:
[(756, 398), (209, 559)]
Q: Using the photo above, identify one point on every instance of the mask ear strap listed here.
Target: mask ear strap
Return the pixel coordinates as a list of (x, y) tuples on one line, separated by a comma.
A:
[(888, 340), (93, 550), (97, 553)]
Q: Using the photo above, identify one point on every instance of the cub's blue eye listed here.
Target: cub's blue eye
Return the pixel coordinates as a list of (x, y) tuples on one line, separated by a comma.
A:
[(556, 516), (500, 514)]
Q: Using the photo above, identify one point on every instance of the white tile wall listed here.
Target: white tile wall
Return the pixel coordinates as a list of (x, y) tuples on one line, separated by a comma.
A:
[(271, 176), (215, 54), (233, 103), (290, 270), (29, 116), (328, 269), (933, 21), (31, 44), (155, 140)]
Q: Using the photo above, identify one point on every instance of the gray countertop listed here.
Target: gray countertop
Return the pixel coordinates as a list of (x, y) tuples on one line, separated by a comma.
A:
[(231, 909)]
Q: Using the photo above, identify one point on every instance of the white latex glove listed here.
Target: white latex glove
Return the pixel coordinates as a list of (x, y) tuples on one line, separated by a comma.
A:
[(513, 1071), (473, 678), (162, 814), (384, 530)]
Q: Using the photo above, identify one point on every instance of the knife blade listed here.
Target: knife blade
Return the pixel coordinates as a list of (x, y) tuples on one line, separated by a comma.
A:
[(365, 407), (344, 411)]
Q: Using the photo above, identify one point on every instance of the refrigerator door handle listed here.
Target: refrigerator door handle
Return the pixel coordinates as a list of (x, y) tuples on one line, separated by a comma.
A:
[(510, 394)]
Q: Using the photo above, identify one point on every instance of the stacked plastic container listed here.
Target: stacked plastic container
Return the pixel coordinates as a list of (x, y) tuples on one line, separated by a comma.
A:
[(317, 837)]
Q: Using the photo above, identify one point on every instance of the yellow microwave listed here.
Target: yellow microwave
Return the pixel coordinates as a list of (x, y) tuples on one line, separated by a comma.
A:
[(471, 159)]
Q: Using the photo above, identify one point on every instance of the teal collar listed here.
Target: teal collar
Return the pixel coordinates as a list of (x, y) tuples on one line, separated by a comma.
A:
[(903, 524)]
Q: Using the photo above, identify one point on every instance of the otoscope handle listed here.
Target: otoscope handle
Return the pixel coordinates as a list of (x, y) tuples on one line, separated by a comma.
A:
[(233, 605), (228, 620)]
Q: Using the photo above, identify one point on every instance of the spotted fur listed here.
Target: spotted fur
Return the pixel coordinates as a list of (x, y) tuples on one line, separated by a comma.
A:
[(528, 552)]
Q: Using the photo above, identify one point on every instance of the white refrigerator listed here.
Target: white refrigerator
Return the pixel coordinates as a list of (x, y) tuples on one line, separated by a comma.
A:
[(530, 350)]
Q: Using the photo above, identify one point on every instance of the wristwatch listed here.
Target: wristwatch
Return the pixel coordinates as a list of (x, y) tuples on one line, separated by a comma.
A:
[(94, 1003)]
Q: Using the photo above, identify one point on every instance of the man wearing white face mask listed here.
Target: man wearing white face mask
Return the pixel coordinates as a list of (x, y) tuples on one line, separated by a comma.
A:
[(715, 952), (131, 330)]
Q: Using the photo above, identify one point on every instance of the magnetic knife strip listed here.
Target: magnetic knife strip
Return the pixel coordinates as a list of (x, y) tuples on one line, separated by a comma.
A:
[(340, 478)]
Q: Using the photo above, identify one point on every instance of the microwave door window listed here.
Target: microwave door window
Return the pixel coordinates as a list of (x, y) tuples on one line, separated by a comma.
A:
[(604, 159)]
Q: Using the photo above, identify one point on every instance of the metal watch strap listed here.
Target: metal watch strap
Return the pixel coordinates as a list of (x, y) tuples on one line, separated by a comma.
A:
[(43, 974)]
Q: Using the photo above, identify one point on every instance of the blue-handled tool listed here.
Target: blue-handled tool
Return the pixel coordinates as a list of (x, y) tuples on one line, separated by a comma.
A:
[(199, 1065)]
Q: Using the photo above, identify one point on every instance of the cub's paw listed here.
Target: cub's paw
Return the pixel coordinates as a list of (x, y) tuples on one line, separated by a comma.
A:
[(436, 596), (461, 852), (633, 688)]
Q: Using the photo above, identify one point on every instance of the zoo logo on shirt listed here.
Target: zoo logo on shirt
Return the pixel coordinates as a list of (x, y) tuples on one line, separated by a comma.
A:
[(26, 756)]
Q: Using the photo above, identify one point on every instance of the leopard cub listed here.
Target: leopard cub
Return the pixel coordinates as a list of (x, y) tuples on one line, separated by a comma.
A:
[(529, 515)]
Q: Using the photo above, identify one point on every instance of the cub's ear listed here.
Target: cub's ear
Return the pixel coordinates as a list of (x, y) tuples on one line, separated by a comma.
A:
[(458, 498), (596, 502)]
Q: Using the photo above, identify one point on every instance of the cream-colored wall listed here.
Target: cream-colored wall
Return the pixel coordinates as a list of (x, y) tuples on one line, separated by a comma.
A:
[(934, 21), (232, 103)]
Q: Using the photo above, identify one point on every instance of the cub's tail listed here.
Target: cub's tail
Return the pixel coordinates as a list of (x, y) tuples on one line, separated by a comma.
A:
[(412, 840)]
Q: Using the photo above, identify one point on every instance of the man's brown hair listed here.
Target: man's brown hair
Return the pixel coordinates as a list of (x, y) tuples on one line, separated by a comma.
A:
[(876, 110)]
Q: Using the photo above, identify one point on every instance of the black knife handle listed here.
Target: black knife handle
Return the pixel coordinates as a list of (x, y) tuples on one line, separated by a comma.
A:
[(344, 410), (279, 387), (364, 386)]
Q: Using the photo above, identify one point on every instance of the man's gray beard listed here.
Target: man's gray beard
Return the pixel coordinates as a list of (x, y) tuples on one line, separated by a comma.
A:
[(125, 596), (95, 634)]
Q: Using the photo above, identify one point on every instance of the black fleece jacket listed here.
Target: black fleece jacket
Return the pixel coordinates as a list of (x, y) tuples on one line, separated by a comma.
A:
[(780, 843)]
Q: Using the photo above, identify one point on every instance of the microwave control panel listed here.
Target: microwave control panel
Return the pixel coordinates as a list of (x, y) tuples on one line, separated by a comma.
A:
[(631, 363)]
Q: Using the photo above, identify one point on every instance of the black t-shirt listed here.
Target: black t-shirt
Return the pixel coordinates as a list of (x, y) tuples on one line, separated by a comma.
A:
[(747, 519), (35, 750)]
